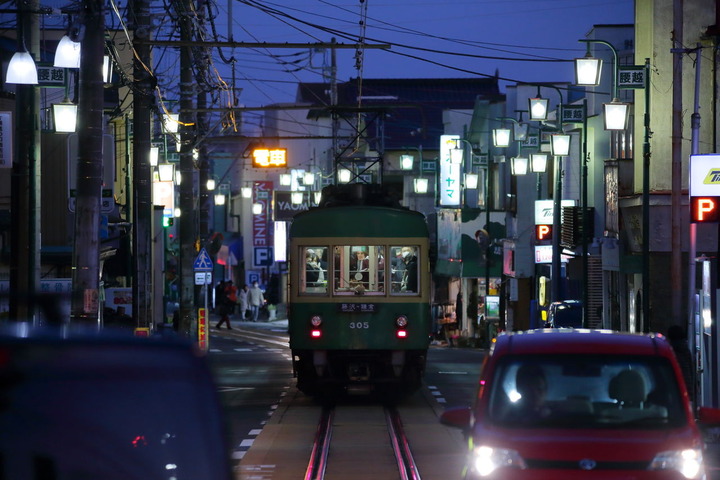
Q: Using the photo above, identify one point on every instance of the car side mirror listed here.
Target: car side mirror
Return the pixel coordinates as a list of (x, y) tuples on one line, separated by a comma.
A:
[(709, 417), (458, 417)]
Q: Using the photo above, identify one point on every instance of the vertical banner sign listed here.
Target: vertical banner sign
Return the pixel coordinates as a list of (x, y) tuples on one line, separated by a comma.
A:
[(262, 234), (449, 181), (6, 135), (202, 330)]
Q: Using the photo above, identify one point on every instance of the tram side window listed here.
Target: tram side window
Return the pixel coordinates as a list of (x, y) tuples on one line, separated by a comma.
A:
[(359, 269), (404, 269), (315, 275)]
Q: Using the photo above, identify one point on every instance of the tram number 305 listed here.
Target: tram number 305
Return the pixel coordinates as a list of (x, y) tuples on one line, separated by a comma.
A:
[(358, 325)]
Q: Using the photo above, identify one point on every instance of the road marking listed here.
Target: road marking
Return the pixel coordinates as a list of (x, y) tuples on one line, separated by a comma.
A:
[(233, 389)]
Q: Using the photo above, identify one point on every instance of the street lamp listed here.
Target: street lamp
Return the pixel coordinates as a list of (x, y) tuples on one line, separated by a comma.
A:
[(296, 198), (519, 165), (344, 175), (471, 180), (67, 54), (65, 116), (421, 185), (538, 162), (21, 69), (309, 179), (406, 162), (587, 73), (587, 70), (616, 115), (501, 137), (538, 108), (560, 144), (285, 179), (166, 172)]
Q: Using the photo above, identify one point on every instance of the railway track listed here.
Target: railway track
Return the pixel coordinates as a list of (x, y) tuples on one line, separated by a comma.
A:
[(359, 429)]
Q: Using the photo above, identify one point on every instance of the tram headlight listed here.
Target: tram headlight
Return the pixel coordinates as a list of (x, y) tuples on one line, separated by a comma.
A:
[(316, 320)]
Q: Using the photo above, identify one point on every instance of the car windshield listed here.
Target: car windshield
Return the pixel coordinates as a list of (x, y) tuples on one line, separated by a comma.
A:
[(585, 391)]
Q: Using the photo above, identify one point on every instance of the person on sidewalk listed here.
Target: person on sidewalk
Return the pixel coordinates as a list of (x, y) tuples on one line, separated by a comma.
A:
[(255, 300), (228, 305), (243, 302)]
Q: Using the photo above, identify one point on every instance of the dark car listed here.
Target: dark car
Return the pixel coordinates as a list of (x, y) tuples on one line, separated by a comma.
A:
[(89, 405), (572, 404), (567, 313)]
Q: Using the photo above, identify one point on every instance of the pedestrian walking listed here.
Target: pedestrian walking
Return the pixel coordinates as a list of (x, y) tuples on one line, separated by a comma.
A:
[(255, 299), (243, 301), (229, 299)]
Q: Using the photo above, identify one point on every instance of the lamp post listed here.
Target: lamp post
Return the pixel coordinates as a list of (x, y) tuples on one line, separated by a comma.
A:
[(560, 147), (616, 115), (646, 203)]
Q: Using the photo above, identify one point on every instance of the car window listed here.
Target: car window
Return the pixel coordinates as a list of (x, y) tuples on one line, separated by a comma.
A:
[(580, 391)]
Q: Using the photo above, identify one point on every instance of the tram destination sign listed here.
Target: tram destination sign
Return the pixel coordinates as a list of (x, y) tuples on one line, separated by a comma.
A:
[(357, 307)]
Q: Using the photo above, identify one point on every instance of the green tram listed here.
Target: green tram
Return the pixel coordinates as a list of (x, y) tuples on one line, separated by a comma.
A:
[(359, 285)]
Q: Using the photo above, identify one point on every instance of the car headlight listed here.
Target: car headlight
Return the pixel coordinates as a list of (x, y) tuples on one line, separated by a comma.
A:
[(688, 462), (486, 460)]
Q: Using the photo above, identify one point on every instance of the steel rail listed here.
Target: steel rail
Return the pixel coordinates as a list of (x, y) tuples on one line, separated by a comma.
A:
[(405, 461), (321, 446)]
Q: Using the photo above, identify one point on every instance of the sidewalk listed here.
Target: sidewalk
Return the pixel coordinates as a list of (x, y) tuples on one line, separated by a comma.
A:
[(235, 322)]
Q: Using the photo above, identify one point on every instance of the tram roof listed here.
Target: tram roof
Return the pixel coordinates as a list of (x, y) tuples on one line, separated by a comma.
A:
[(359, 221)]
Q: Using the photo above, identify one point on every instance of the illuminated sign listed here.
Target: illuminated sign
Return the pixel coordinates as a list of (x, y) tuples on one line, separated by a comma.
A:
[(704, 188), (543, 232), (704, 209), (269, 158), (544, 254), (544, 210), (449, 191), (203, 330)]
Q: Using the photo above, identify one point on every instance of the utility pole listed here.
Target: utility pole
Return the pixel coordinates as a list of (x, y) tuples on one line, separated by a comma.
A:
[(188, 226), (25, 182), (142, 211), (202, 131), (86, 248), (676, 171)]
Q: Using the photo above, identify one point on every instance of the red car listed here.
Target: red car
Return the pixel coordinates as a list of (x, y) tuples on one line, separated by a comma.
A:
[(582, 404)]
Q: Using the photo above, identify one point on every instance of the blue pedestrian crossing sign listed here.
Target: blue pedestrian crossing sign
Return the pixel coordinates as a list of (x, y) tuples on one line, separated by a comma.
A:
[(203, 262)]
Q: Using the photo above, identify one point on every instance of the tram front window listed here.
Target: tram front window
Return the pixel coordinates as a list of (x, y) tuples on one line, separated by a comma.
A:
[(315, 274), (359, 269)]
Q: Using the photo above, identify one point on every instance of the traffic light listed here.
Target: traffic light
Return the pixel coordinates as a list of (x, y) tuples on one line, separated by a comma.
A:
[(543, 232), (704, 209), (168, 221)]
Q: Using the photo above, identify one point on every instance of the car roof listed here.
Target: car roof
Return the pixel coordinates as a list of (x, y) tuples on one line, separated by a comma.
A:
[(572, 340)]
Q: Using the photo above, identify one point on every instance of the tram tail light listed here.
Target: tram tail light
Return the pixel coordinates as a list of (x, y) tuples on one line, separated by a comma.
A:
[(401, 323), (315, 323)]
